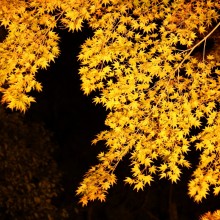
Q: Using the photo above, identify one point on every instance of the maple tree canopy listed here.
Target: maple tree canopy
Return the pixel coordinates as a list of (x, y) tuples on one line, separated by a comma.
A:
[(143, 61)]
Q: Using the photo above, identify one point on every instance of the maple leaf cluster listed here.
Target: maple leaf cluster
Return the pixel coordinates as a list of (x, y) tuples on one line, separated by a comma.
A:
[(141, 59), (211, 216), (143, 65)]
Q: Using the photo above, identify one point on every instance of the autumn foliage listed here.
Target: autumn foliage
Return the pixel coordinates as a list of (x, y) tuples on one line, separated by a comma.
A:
[(143, 60), (211, 216)]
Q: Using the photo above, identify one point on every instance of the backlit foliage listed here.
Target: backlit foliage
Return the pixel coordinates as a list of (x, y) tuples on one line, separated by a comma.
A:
[(156, 91), (142, 60), (211, 216)]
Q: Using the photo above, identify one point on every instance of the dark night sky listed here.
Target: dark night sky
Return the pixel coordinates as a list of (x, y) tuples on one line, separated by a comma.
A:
[(75, 120)]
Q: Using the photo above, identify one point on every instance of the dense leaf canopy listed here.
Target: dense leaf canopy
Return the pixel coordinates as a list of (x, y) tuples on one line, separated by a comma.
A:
[(143, 60)]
